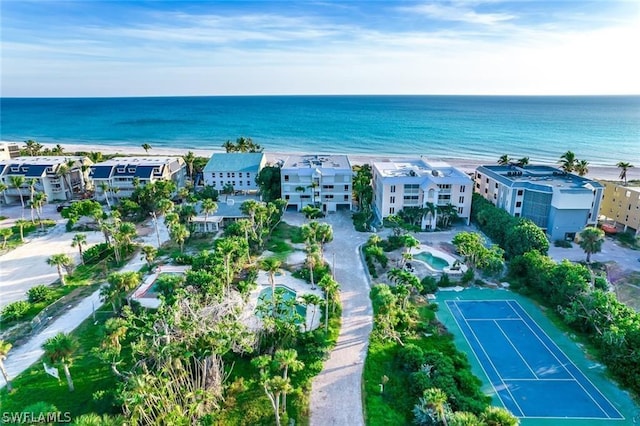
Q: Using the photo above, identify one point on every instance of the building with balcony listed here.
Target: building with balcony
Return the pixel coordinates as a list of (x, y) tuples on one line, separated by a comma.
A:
[(322, 180), (622, 204), (118, 176), (560, 203), (9, 150), (417, 183), (236, 169), (59, 177)]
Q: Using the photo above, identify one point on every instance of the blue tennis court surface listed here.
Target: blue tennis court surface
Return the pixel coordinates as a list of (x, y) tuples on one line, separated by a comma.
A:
[(530, 374)]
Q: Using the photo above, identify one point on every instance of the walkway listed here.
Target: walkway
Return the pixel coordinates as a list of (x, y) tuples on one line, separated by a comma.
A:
[(336, 393), (25, 355)]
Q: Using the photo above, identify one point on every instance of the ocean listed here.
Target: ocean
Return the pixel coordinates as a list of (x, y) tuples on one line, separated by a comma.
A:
[(600, 129)]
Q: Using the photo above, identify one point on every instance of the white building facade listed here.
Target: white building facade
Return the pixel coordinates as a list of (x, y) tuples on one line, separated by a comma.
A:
[(322, 180), (237, 169), (59, 177), (120, 174), (560, 203), (416, 183)]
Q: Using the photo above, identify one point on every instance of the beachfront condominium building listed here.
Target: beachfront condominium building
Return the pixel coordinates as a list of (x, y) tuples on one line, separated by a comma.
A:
[(560, 203), (9, 150), (234, 169), (118, 176), (622, 204), (322, 180), (434, 187), (59, 177)]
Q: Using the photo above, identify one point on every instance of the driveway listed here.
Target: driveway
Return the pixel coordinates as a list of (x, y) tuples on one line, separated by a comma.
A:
[(336, 393), (626, 258)]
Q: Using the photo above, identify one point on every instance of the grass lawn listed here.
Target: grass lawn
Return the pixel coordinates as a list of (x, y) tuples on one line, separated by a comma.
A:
[(31, 228), (90, 377)]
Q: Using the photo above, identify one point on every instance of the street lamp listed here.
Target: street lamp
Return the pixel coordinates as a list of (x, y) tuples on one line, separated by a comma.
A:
[(155, 223)]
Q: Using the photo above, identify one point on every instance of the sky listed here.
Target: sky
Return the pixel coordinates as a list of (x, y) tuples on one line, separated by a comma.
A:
[(162, 48)]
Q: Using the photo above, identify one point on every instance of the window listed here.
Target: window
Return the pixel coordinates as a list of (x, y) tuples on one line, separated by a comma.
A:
[(286, 178), (444, 186), (286, 197), (233, 174), (461, 200), (240, 174), (517, 215), (392, 200), (460, 210), (487, 180), (248, 183), (496, 185), (519, 204), (346, 198), (479, 176), (392, 189), (520, 192), (248, 175), (221, 174), (495, 196), (477, 185), (486, 191), (228, 174), (461, 188), (392, 210), (346, 187)]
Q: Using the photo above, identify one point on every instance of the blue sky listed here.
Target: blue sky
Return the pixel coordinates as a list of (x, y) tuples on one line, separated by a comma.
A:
[(152, 48)]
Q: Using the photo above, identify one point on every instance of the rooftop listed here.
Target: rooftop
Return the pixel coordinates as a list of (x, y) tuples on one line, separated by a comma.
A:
[(234, 162), (49, 160), (540, 175), (418, 168), (319, 161), (138, 161)]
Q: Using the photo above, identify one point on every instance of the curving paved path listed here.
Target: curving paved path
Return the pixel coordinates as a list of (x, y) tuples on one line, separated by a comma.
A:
[(336, 393)]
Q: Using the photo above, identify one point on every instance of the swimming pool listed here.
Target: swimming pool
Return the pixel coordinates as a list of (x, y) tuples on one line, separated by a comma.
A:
[(287, 295), (435, 262)]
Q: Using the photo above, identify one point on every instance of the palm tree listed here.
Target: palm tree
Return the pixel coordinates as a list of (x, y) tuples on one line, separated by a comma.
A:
[(436, 399), (104, 186), (226, 190), (498, 416), (79, 240), (150, 253), (21, 223), (32, 147), (287, 359), (311, 299), (582, 167), (164, 206), (179, 233), (272, 266), (146, 147), (208, 206), (39, 198), (274, 387), (330, 287), (190, 158), (60, 261), (17, 182), (57, 150), (590, 240), (95, 157), (624, 166), (5, 347), (32, 188), (313, 259), (523, 162), (504, 160), (5, 233), (568, 161), (61, 349), (121, 284)]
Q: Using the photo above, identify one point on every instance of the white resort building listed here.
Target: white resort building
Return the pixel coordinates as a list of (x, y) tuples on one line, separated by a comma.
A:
[(119, 174), (236, 169), (324, 180), (561, 203), (59, 177), (9, 150), (417, 183)]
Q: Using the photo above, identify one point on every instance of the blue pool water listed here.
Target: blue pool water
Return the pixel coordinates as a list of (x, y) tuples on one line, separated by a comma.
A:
[(435, 262)]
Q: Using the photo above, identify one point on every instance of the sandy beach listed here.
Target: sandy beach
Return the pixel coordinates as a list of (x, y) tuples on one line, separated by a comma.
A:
[(468, 165)]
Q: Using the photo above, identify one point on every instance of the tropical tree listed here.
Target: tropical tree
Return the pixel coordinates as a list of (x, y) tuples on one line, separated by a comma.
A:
[(21, 223), (165, 206), (437, 400), (227, 189), (242, 145), (287, 359), (146, 147), (5, 347), (309, 299), (32, 189), (582, 167), (568, 161), (624, 167), (39, 198), (313, 259), (446, 214), (5, 233), (95, 157), (189, 159), (149, 254), (60, 261), (498, 416), (32, 147), (57, 150), (60, 349), (104, 186), (331, 288), (208, 206), (120, 284), (179, 233), (274, 387), (79, 240), (17, 182), (523, 162), (590, 240), (504, 160), (272, 266)]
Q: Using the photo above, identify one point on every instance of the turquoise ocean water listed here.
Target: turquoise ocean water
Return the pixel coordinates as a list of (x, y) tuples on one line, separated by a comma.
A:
[(600, 129)]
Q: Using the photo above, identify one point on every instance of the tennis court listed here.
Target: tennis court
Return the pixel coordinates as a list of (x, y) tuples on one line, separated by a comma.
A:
[(531, 375)]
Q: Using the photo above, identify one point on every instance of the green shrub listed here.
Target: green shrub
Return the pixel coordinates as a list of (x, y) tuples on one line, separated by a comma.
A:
[(467, 277), (39, 293), (97, 253), (411, 357), (15, 310), (562, 243), (445, 281), (392, 243), (429, 285)]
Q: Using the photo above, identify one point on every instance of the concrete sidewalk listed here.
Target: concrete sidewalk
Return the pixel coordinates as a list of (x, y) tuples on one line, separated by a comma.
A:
[(25, 355)]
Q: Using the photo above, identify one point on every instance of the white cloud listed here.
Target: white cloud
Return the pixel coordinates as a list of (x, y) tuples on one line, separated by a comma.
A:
[(458, 12)]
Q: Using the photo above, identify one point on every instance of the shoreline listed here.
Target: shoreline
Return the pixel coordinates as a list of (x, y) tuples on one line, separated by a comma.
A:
[(468, 165)]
